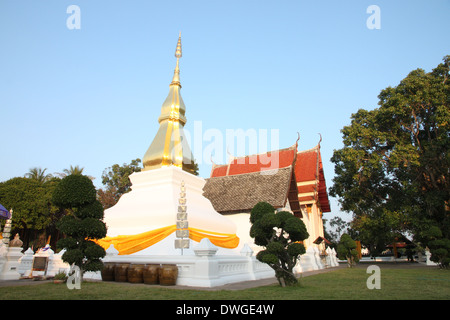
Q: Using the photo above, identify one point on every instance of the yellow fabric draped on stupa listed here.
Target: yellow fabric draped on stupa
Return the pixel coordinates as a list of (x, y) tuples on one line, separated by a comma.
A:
[(128, 244)]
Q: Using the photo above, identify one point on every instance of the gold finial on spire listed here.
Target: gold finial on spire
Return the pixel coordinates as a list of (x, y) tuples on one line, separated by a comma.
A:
[(178, 50), (178, 54)]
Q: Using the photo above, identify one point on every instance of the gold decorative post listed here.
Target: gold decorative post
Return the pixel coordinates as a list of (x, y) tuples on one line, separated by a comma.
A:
[(170, 147)]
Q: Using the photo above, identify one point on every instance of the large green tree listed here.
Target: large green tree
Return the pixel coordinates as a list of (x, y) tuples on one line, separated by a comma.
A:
[(395, 163), (280, 234), (34, 216)]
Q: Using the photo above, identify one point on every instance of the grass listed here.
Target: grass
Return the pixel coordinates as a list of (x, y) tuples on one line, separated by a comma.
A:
[(342, 284)]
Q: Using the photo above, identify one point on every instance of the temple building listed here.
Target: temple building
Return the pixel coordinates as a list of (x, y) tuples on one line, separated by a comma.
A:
[(287, 179), (200, 226)]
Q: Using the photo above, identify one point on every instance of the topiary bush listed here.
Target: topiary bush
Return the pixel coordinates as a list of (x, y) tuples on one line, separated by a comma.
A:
[(439, 247), (74, 191), (280, 233), (346, 250), (77, 194)]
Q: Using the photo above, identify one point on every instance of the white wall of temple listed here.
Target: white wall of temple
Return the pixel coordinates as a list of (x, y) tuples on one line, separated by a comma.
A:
[(312, 221), (242, 221), (312, 218), (306, 218)]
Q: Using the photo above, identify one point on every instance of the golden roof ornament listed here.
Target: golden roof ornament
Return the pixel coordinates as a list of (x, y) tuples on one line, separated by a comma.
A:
[(169, 146)]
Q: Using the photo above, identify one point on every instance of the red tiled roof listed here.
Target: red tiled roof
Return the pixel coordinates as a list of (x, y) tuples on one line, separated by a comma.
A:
[(255, 163), (308, 171), (306, 166), (311, 178)]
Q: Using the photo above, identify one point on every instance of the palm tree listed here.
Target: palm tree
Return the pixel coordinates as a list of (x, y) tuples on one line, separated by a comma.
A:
[(77, 170), (38, 174), (73, 170)]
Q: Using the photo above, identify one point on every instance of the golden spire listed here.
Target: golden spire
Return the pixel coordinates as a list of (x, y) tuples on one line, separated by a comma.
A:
[(170, 147)]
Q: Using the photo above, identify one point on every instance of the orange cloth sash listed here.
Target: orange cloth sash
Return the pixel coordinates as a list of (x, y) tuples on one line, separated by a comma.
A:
[(134, 243)]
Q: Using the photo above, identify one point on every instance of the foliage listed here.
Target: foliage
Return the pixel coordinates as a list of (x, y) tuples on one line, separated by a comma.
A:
[(376, 230), (392, 172), (339, 226), (38, 174), (346, 250), (117, 182), (77, 194), (73, 170), (60, 276), (33, 212), (280, 233), (439, 247), (117, 176), (74, 191), (191, 167)]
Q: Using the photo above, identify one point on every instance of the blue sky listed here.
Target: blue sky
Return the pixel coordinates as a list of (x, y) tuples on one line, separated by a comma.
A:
[(91, 97)]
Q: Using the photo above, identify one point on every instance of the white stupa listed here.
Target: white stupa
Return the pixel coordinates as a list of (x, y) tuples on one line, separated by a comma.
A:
[(144, 221)]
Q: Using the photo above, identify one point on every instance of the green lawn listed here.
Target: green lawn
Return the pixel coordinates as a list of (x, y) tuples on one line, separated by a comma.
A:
[(347, 284)]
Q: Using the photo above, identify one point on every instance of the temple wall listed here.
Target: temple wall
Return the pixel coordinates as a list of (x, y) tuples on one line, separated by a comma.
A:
[(312, 221)]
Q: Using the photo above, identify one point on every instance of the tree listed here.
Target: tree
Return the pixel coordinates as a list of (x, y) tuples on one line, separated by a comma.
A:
[(117, 182), (38, 174), (375, 230), (280, 233), (346, 250), (395, 161), (193, 168), (108, 197), (439, 247), (339, 226), (73, 170), (34, 216), (77, 194)]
